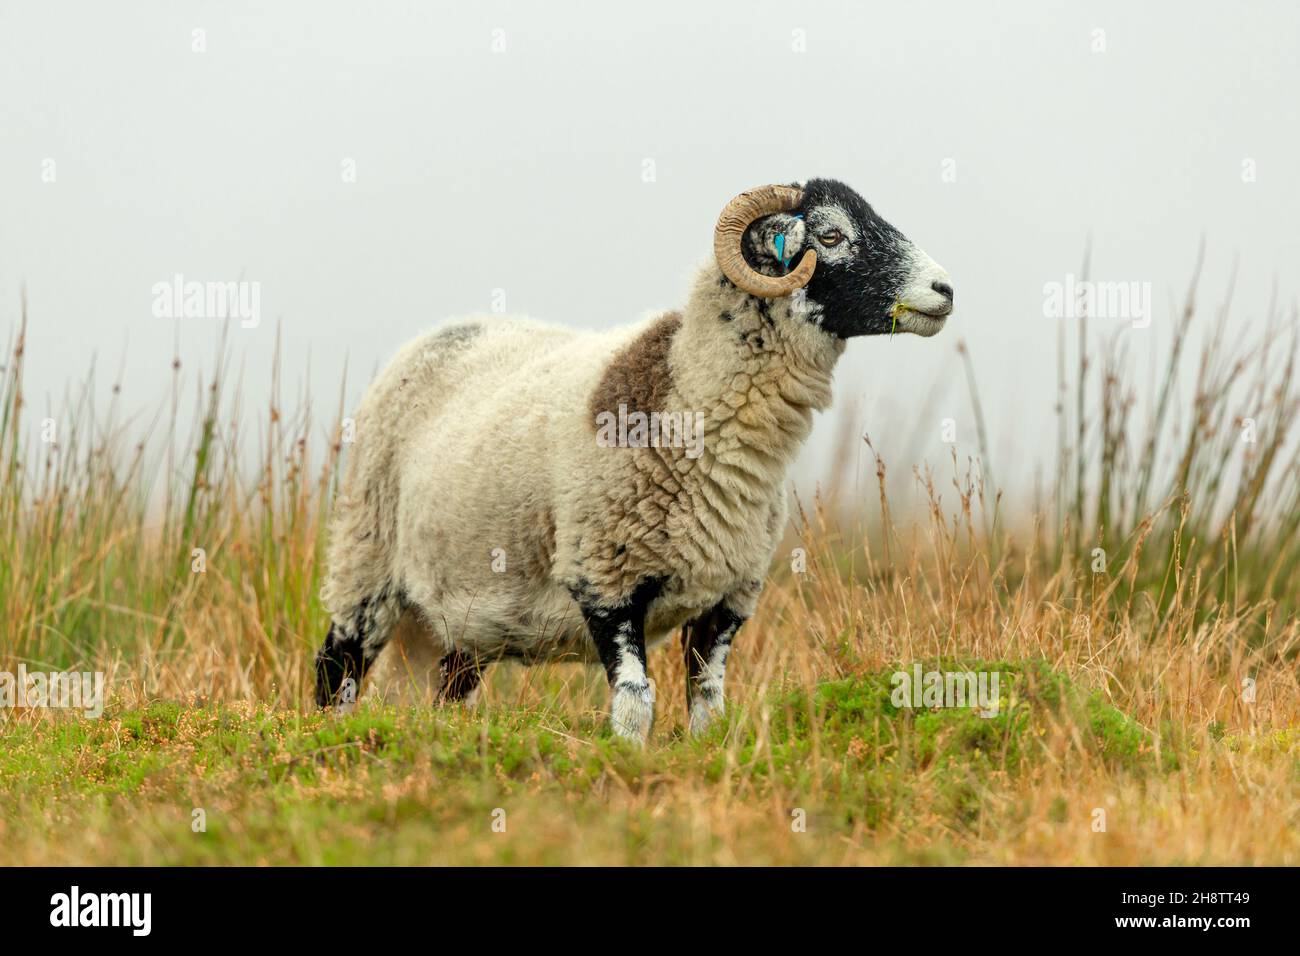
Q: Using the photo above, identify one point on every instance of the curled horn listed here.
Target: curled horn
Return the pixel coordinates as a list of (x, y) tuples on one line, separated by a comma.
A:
[(733, 222)]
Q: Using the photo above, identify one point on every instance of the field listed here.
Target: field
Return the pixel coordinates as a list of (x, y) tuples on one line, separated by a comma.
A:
[(1139, 615)]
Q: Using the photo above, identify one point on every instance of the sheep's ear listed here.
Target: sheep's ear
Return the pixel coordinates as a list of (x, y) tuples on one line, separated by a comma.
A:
[(772, 242)]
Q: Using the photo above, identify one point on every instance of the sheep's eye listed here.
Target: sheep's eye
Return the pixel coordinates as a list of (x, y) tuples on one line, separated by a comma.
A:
[(832, 238)]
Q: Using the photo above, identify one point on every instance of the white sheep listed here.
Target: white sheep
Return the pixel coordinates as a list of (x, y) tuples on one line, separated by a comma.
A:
[(524, 491)]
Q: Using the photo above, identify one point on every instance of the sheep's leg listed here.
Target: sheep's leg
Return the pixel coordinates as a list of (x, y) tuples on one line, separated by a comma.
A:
[(461, 675), (619, 635), (706, 641), (354, 641)]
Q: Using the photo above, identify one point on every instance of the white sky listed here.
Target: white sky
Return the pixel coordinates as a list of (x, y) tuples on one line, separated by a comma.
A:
[(522, 170)]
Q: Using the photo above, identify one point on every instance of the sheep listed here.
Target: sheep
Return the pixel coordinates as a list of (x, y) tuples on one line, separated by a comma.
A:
[(506, 497)]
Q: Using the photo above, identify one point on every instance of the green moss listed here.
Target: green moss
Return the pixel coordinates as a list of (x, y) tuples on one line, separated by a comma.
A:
[(862, 717)]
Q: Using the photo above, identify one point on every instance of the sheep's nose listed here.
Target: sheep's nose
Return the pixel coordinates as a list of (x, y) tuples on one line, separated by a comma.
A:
[(943, 288)]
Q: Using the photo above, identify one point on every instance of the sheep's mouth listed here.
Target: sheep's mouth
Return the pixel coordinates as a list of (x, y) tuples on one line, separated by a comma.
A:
[(919, 321)]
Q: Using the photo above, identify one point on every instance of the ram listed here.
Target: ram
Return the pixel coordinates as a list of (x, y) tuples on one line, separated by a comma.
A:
[(528, 492)]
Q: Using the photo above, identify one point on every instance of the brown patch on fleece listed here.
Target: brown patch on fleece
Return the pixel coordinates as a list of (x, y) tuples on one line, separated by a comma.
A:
[(639, 376)]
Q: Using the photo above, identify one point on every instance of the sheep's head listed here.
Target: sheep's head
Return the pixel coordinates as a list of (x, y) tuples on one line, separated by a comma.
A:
[(858, 274)]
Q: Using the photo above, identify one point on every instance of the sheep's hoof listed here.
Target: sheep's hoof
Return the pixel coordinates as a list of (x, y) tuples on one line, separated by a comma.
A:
[(632, 711), (704, 713)]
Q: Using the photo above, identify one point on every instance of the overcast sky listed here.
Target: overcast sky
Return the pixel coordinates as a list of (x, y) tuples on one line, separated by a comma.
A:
[(378, 167)]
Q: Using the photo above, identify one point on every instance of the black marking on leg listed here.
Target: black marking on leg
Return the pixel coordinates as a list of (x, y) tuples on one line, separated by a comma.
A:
[(339, 659), (350, 648), (461, 674), (619, 627), (701, 638)]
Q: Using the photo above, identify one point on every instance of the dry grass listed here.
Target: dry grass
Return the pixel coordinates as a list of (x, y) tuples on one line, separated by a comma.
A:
[(1196, 593)]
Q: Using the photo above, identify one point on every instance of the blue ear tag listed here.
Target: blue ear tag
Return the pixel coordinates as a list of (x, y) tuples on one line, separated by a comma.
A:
[(780, 249)]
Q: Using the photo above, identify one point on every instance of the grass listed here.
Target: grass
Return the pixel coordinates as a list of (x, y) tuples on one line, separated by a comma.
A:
[(838, 775), (1141, 615)]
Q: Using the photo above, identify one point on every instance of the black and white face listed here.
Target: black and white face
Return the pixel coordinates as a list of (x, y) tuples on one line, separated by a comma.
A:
[(870, 279)]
